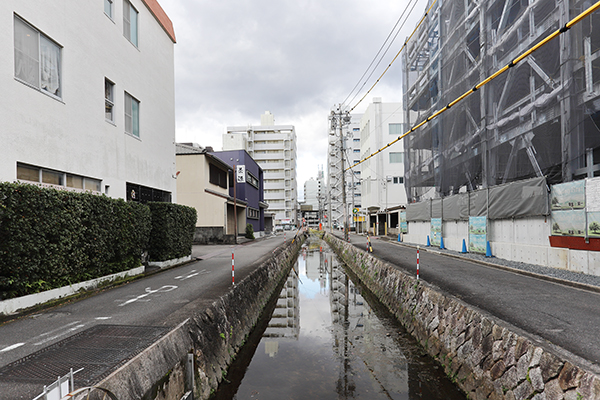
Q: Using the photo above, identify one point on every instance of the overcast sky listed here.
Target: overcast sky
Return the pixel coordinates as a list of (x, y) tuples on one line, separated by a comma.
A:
[(236, 59)]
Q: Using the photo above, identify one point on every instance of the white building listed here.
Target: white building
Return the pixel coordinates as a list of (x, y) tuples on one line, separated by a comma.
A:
[(88, 98), (273, 147), (382, 176)]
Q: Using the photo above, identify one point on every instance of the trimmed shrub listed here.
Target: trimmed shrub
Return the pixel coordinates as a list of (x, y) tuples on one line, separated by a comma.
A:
[(51, 238), (249, 231), (173, 227)]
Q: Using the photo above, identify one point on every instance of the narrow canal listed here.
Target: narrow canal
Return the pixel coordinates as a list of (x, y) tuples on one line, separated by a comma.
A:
[(325, 337)]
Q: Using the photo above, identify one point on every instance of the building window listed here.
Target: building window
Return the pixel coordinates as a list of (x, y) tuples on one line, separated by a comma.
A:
[(130, 22), (132, 115), (396, 158), (108, 8), (396, 129), (356, 140), (398, 180), (251, 179), (37, 59), (32, 173), (109, 90), (144, 194), (217, 176), (252, 213)]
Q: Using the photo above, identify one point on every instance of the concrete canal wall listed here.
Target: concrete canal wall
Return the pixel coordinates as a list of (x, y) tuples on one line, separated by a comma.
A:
[(213, 336), (487, 358)]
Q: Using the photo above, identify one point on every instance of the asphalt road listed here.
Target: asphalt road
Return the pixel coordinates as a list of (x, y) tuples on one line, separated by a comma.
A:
[(163, 299), (566, 316)]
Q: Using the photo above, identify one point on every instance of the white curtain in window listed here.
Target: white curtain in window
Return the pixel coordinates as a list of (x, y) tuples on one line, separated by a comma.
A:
[(26, 53), (128, 119), (50, 66), (135, 116)]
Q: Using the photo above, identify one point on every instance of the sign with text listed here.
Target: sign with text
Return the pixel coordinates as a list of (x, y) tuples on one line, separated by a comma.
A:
[(477, 234), (240, 173)]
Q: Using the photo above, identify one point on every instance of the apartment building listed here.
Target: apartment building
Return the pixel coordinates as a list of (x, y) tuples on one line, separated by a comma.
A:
[(88, 98), (273, 147)]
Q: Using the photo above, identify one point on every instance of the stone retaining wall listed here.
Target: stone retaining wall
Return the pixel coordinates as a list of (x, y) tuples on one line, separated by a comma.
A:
[(485, 357), (213, 335)]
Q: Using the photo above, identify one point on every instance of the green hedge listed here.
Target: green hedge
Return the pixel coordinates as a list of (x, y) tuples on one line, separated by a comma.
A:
[(52, 238), (173, 227)]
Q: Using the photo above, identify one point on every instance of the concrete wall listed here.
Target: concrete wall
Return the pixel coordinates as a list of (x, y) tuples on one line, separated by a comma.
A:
[(213, 336), (486, 357), (521, 240), (69, 133), (191, 182)]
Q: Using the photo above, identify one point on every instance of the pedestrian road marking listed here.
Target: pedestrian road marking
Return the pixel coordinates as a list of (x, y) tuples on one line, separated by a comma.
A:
[(162, 289)]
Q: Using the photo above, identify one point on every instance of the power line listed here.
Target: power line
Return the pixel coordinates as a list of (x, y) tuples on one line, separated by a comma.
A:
[(397, 54), (378, 52)]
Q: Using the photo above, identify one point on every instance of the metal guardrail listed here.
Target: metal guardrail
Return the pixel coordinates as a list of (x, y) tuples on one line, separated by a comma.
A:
[(59, 388)]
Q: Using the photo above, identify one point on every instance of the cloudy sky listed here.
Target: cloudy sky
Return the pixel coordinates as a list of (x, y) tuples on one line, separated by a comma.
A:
[(236, 59)]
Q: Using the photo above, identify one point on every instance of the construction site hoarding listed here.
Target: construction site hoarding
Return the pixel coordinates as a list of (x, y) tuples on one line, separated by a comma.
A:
[(540, 119)]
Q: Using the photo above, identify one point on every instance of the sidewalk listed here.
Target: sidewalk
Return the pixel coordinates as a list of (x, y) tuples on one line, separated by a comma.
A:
[(557, 307)]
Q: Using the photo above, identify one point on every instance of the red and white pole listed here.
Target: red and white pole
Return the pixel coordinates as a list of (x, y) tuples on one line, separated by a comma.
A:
[(284, 237), (418, 262), (232, 270)]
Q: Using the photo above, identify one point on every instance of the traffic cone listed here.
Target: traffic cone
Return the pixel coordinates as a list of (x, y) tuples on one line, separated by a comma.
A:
[(488, 250), (428, 242), (464, 247)]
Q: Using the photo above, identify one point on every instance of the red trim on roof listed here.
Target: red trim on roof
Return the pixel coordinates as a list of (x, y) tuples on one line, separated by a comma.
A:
[(162, 17)]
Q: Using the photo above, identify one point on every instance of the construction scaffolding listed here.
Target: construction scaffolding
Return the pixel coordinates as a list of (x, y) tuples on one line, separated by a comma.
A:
[(539, 119)]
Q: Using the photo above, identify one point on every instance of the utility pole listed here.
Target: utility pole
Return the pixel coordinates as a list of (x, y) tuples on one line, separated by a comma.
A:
[(340, 118)]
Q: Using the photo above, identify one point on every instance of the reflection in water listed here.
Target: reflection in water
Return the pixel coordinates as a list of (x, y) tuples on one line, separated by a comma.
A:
[(329, 339)]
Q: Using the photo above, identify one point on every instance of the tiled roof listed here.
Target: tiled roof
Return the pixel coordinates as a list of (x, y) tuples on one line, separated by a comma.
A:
[(181, 148), (162, 17)]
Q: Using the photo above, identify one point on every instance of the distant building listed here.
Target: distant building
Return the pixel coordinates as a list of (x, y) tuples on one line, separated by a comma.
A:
[(203, 183), (274, 149), (382, 177), (249, 186), (88, 97)]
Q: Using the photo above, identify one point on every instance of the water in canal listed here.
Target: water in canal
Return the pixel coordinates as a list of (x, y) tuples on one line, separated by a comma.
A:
[(328, 338)]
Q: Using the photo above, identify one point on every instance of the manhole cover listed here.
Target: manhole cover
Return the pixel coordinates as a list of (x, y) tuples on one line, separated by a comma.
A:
[(99, 350)]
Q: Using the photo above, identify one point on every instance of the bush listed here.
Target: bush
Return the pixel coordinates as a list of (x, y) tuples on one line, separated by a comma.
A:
[(249, 231), (51, 238), (173, 227)]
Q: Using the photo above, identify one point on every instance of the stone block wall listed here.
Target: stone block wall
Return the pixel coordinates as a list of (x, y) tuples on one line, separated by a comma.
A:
[(486, 357), (212, 235)]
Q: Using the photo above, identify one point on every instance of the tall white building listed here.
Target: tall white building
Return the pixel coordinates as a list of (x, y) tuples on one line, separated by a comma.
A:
[(88, 96), (382, 176), (273, 147), (314, 190)]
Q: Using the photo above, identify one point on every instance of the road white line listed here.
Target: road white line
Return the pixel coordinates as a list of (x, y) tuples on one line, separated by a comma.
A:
[(9, 348), (73, 329), (56, 330)]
